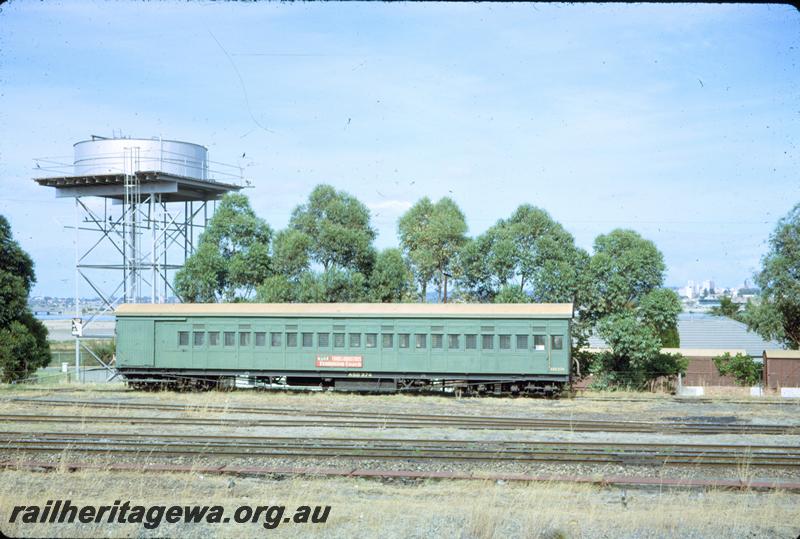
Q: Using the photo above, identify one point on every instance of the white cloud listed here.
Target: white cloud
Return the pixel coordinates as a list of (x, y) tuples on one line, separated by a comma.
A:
[(389, 206)]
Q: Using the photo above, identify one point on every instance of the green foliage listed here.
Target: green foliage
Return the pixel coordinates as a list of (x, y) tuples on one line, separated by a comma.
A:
[(290, 253), (392, 280), (13, 260), (632, 344), (338, 230), (744, 369), (15, 343), (23, 338), (626, 305), (544, 258), (664, 365), (622, 270), (670, 338), (332, 230), (276, 289), (512, 294), (232, 257), (13, 296), (105, 349), (727, 308), (582, 360), (16, 275), (431, 236), (342, 286), (659, 309), (330, 286), (777, 314), (475, 262), (635, 358), (530, 251)]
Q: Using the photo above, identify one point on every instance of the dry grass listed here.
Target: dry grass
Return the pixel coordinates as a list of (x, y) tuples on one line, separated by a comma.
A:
[(433, 509)]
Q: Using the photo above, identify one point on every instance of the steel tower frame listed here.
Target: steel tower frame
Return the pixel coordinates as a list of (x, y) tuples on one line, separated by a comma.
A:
[(161, 217)]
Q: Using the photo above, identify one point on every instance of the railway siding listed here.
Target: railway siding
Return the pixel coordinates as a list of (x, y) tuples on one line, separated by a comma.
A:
[(455, 438)]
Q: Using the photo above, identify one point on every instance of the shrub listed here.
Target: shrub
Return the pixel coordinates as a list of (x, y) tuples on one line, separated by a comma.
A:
[(744, 369)]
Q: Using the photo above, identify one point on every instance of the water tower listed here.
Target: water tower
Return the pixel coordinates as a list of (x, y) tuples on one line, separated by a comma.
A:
[(155, 199)]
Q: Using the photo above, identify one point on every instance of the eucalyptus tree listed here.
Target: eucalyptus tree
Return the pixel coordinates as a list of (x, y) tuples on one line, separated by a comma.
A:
[(527, 257), (23, 338), (626, 304), (392, 280), (338, 229), (326, 252), (431, 236), (622, 270), (776, 314), (232, 257)]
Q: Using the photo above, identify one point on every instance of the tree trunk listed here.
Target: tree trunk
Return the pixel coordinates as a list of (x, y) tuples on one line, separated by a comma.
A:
[(444, 300)]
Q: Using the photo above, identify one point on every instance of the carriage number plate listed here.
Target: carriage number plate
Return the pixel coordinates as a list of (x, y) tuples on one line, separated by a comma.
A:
[(339, 362)]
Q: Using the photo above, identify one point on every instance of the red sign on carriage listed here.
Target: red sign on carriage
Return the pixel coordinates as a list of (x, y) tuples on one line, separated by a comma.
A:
[(339, 362)]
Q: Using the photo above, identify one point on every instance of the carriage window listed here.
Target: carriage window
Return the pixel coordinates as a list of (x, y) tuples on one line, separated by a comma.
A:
[(420, 341), (323, 339), (387, 340), (244, 339), (355, 340), (471, 341), (338, 340), (291, 339), (505, 342), (452, 342), (275, 339), (403, 340), (230, 338), (437, 341), (308, 339), (372, 340), (213, 338), (183, 338), (538, 342), (556, 342), (261, 338), (522, 342), (198, 338), (487, 342)]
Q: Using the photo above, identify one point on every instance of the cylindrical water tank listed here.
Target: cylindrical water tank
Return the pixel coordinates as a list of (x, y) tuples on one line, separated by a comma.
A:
[(129, 155)]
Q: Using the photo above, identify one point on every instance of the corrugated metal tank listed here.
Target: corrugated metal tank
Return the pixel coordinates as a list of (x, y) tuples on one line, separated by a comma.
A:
[(128, 155)]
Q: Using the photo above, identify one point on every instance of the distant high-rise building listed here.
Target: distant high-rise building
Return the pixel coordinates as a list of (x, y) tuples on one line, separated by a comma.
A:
[(689, 291)]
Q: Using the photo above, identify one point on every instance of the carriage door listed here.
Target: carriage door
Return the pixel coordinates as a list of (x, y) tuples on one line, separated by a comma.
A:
[(558, 347), (135, 343)]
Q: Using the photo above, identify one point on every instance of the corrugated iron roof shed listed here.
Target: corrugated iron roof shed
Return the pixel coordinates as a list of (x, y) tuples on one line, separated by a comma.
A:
[(703, 352), (782, 354), (688, 352), (713, 332), (405, 310)]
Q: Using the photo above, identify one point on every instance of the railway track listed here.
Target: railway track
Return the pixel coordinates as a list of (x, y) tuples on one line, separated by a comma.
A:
[(415, 422), (691, 400), (365, 419), (262, 447), (761, 401)]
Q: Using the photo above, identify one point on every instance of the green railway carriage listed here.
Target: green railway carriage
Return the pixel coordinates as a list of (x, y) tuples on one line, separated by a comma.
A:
[(497, 347)]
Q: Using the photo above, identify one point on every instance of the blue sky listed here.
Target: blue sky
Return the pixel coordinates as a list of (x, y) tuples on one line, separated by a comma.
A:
[(678, 121)]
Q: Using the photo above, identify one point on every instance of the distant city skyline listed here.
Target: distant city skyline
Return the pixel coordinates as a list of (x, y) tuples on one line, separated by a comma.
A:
[(676, 120)]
